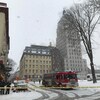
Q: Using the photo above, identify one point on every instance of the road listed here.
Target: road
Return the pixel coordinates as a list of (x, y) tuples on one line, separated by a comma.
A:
[(75, 94), (65, 94)]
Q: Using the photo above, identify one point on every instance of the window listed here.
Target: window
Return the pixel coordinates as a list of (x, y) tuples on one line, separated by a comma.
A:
[(47, 71), (47, 53), (25, 76), (26, 65), (40, 66), (32, 76), (43, 51), (40, 61), (29, 76), (40, 71), (65, 76), (36, 61), (26, 71), (39, 51), (98, 75), (46, 62), (26, 60), (33, 51), (28, 51)]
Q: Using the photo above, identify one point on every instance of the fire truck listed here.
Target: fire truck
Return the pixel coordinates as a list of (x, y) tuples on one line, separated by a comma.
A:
[(61, 79)]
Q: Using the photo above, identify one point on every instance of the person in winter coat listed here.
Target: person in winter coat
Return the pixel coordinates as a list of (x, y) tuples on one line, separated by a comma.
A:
[(8, 87), (2, 84)]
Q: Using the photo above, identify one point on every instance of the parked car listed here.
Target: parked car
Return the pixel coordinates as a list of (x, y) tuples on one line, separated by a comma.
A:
[(20, 86)]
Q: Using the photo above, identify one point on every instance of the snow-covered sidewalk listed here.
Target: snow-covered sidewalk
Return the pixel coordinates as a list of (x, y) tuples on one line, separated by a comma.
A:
[(89, 85), (21, 96)]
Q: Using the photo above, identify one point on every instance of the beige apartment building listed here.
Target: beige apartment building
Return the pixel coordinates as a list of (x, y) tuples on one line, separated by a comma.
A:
[(38, 60), (35, 61), (4, 35)]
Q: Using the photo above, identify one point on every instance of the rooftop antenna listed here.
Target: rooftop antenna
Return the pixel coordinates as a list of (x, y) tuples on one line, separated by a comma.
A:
[(50, 44)]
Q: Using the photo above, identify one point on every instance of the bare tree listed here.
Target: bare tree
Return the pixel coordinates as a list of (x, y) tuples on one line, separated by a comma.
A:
[(95, 3), (11, 63), (83, 19)]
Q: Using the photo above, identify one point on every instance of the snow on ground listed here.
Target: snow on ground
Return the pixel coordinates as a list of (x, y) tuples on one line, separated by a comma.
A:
[(86, 88), (89, 85), (49, 93), (21, 96)]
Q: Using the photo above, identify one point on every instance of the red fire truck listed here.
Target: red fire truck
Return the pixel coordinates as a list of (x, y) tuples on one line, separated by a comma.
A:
[(61, 79)]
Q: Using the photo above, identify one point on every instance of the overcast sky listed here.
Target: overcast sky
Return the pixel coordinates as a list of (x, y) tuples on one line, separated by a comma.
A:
[(35, 22)]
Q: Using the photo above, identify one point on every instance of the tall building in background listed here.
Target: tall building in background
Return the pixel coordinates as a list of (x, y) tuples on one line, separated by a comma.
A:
[(69, 45), (38, 60), (57, 60), (4, 37)]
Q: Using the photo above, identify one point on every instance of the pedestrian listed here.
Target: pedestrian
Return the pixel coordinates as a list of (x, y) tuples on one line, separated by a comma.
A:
[(12, 87), (8, 88), (2, 84), (34, 81), (39, 81)]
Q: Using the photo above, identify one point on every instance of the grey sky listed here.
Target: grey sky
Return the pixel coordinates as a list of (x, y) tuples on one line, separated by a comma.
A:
[(35, 22)]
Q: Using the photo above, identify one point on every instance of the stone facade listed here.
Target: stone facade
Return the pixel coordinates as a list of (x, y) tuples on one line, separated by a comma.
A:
[(38, 60), (4, 34)]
